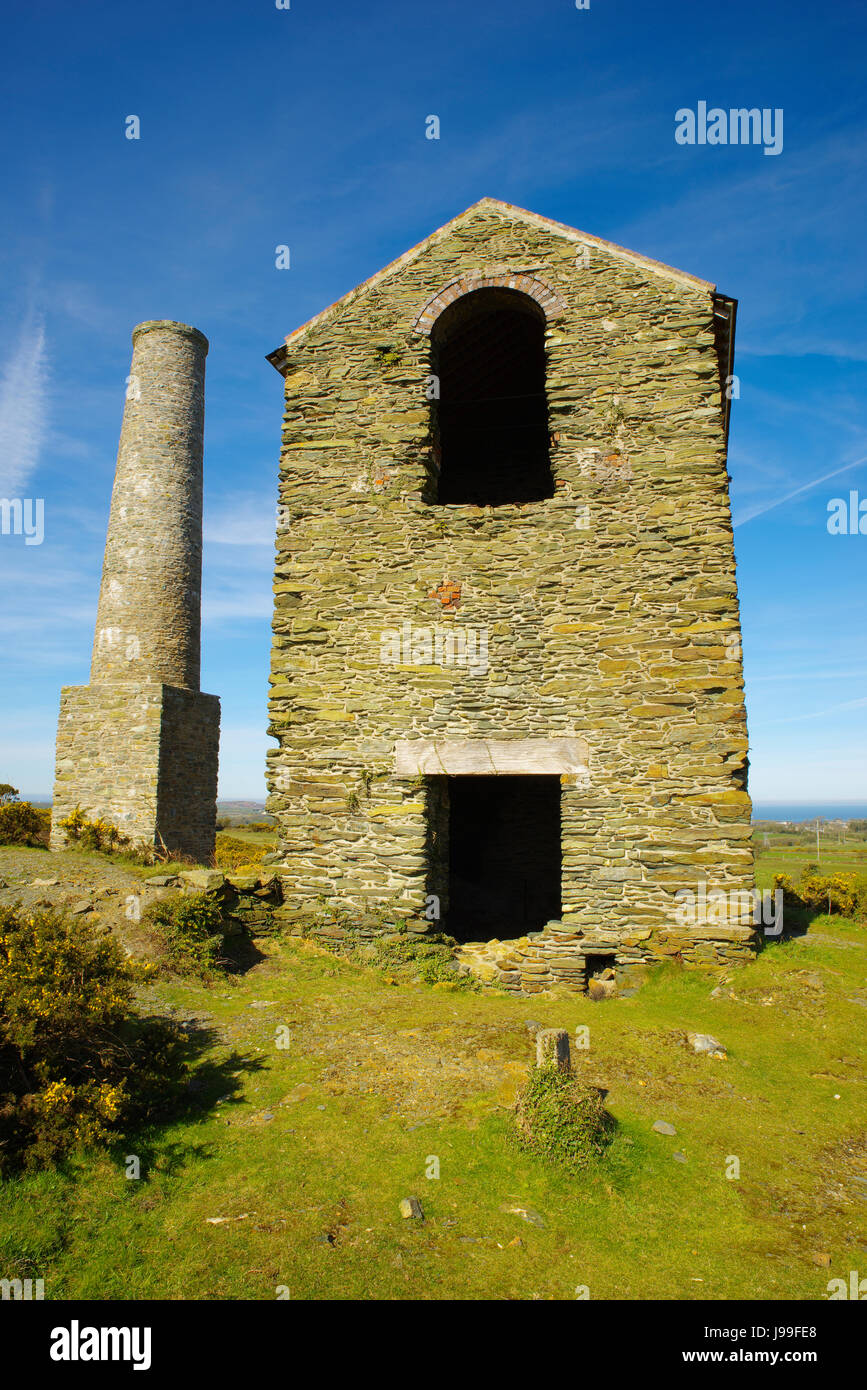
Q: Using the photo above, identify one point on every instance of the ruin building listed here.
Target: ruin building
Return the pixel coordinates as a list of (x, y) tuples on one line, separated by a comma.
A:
[(506, 681), (506, 685)]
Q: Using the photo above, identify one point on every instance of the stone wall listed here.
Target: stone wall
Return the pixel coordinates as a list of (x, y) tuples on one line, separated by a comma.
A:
[(610, 609), (107, 757), (251, 901), (189, 753), (144, 756)]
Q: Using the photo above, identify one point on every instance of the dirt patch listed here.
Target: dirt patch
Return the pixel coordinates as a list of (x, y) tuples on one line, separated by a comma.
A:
[(92, 886), (426, 1071), (835, 1187)]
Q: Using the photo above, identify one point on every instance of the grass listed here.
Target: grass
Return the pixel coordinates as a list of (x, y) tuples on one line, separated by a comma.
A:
[(378, 1078), (264, 839)]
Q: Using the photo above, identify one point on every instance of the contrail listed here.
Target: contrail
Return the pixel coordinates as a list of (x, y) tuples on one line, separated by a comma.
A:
[(820, 713), (759, 511)]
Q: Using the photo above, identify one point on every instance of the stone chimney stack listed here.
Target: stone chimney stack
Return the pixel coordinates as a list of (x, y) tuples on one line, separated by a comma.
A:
[(148, 624), (139, 744)]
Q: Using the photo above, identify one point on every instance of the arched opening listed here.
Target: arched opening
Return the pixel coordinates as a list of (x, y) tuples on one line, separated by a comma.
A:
[(490, 423)]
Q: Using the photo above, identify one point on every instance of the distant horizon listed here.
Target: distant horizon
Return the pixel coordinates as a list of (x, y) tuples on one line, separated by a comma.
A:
[(856, 808)]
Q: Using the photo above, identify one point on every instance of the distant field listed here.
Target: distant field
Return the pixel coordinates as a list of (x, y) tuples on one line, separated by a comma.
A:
[(265, 838), (240, 812), (789, 851)]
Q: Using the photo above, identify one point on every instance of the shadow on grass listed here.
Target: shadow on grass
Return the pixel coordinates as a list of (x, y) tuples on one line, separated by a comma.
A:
[(172, 1079), (240, 955), (168, 1079)]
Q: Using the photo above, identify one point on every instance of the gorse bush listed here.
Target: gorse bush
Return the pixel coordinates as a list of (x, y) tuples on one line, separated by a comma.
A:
[(837, 892), (817, 894), (231, 853), (562, 1120), (76, 1063), (190, 929), (20, 822), (94, 835)]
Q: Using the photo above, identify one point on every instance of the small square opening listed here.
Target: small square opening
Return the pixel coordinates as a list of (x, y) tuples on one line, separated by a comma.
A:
[(596, 963)]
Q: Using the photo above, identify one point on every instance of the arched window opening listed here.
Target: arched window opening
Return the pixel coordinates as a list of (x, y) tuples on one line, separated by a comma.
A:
[(490, 423)]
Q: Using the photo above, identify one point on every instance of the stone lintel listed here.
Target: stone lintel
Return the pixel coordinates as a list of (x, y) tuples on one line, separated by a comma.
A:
[(485, 757)]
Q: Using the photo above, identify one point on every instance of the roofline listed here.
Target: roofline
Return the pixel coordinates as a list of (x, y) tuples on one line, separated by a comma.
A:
[(277, 358), (726, 311)]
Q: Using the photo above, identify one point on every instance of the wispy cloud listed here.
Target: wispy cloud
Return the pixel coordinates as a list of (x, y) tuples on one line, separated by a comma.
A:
[(242, 519), (23, 408), (810, 676)]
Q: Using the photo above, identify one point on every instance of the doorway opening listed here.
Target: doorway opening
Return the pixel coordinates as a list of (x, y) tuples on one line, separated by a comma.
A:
[(504, 856)]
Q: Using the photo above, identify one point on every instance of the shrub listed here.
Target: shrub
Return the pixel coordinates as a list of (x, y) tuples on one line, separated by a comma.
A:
[(237, 854), (431, 958), (560, 1119), (830, 892), (190, 927), (818, 894), (98, 835), (75, 1062), (20, 822)]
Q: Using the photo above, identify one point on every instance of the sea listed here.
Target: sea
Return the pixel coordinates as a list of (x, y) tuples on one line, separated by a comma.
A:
[(809, 810)]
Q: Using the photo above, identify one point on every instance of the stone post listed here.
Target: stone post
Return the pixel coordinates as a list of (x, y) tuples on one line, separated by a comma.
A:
[(552, 1048)]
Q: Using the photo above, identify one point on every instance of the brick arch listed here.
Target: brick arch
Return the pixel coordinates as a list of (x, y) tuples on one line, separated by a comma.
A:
[(548, 300)]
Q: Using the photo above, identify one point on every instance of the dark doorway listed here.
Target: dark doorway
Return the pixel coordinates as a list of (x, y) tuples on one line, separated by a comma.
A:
[(491, 419), (504, 856)]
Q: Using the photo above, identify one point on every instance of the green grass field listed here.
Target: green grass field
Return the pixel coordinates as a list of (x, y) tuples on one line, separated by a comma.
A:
[(789, 851), (305, 1151)]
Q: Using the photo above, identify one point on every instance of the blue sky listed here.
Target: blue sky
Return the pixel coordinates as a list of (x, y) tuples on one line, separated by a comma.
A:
[(306, 127)]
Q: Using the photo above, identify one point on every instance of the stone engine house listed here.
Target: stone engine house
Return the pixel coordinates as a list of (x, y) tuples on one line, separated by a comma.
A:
[(506, 678)]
